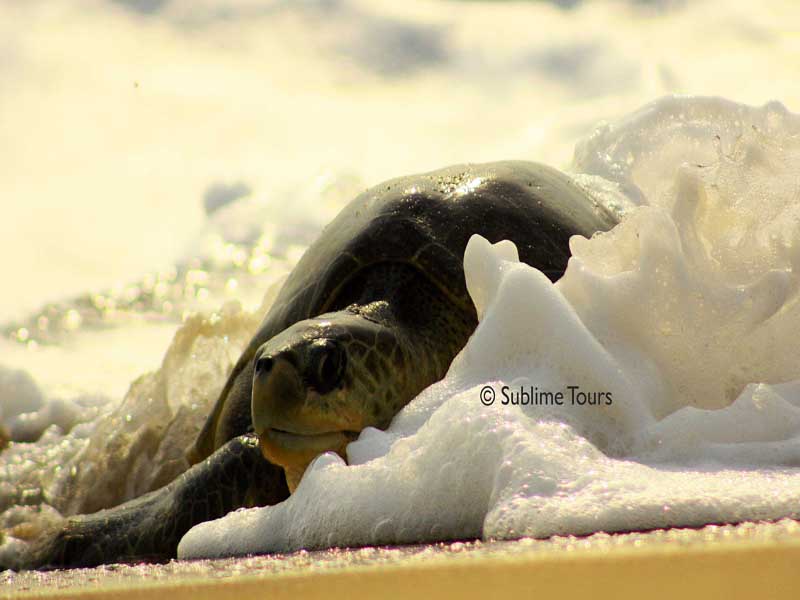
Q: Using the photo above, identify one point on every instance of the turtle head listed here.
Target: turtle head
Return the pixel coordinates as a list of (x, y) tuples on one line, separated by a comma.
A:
[(318, 383)]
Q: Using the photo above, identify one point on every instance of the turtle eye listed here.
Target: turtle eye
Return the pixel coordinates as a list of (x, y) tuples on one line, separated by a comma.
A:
[(328, 361)]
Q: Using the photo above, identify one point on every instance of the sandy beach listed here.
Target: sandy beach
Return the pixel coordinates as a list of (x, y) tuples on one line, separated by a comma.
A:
[(748, 560)]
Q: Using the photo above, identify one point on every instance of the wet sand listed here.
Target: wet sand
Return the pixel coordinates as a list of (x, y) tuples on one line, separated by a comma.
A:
[(749, 560)]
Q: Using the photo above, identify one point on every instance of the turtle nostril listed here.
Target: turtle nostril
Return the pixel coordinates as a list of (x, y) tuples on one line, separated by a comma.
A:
[(264, 364)]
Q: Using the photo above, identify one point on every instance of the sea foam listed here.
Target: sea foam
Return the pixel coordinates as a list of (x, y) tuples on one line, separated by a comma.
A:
[(678, 327)]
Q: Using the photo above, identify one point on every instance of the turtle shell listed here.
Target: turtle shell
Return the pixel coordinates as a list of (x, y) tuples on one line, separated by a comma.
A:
[(424, 221)]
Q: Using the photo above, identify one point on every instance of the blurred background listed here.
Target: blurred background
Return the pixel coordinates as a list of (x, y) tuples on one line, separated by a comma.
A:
[(126, 124)]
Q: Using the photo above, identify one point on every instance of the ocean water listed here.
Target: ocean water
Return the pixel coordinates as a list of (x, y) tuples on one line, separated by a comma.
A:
[(166, 164)]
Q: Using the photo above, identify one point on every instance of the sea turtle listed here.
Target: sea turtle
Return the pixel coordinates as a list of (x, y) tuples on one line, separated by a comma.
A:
[(374, 312)]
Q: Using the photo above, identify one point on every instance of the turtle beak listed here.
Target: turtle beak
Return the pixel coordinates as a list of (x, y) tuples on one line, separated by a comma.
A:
[(278, 392), (278, 407)]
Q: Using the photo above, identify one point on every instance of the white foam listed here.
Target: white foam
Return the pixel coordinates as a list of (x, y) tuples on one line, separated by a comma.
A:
[(684, 317)]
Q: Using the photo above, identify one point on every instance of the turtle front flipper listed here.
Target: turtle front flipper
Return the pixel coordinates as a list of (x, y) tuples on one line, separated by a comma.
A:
[(149, 528)]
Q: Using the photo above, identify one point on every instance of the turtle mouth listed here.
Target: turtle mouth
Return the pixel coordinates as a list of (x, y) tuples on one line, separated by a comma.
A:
[(288, 448), (304, 441)]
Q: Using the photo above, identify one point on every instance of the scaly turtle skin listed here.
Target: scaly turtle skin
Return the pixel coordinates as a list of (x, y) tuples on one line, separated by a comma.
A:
[(373, 313)]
